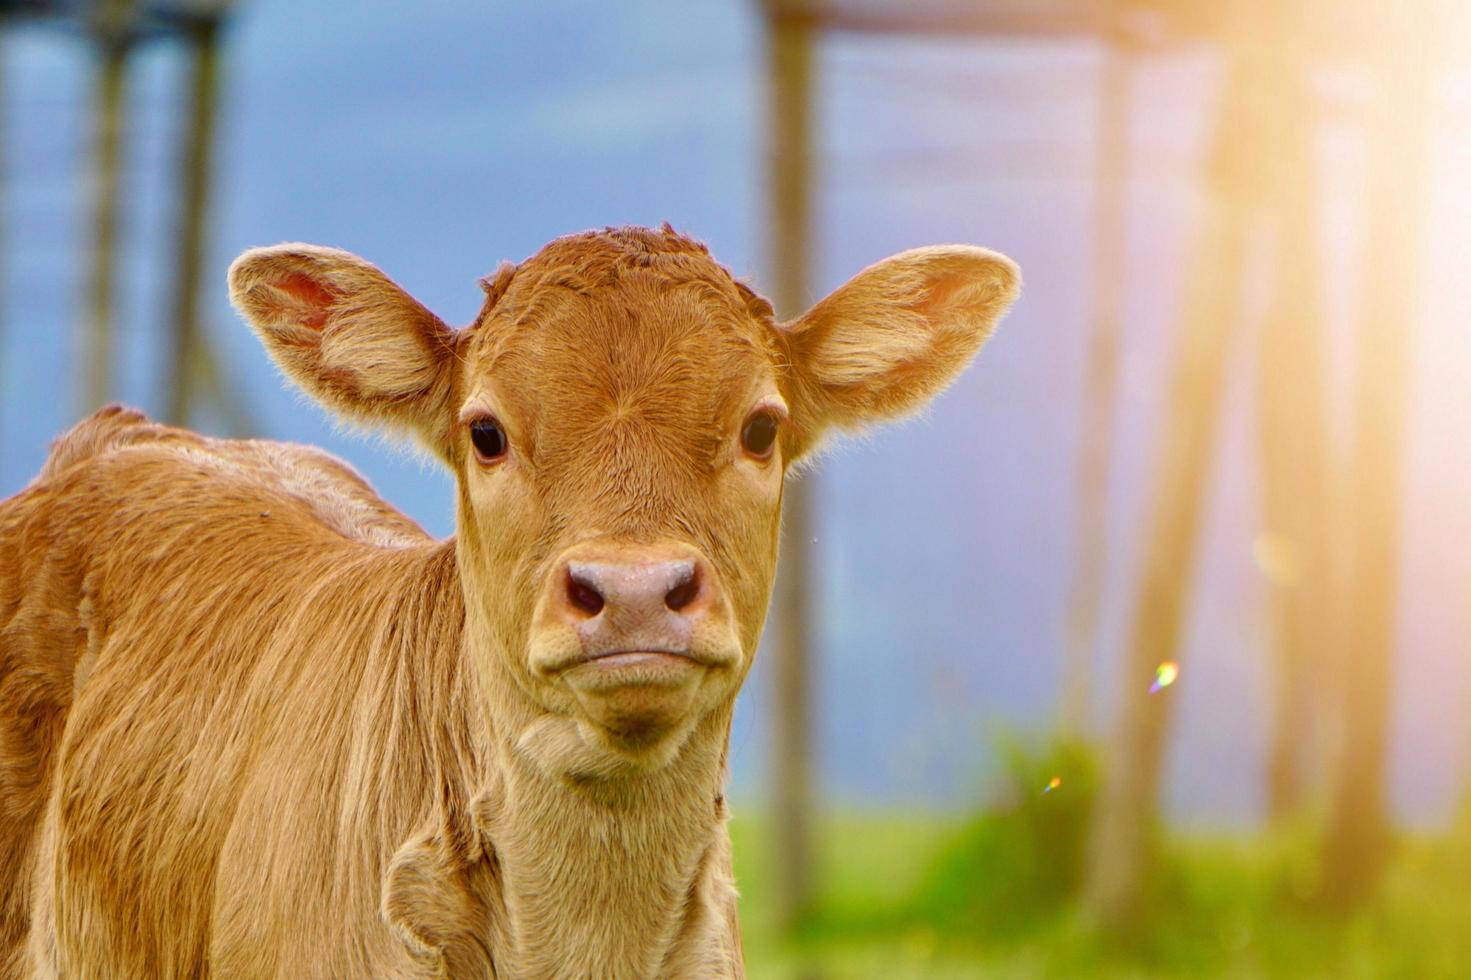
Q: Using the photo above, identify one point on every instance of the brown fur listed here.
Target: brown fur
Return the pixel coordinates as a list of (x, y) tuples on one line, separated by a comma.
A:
[(254, 722)]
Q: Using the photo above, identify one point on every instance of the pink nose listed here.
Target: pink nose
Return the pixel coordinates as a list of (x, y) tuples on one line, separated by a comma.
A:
[(648, 606)]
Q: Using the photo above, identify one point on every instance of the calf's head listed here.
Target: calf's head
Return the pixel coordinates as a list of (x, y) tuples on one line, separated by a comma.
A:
[(620, 418)]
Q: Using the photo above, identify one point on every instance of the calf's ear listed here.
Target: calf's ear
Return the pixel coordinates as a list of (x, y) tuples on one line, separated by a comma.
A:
[(350, 337), (894, 336)]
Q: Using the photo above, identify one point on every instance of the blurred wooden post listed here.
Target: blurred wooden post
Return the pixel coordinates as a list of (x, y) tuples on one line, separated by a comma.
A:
[(94, 348), (1095, 437), (1125, 828), (186, 367), (789, 54), (1292, 550), (1357, 840)]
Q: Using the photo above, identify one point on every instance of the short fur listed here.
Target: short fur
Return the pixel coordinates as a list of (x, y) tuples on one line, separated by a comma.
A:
[(255, 723)]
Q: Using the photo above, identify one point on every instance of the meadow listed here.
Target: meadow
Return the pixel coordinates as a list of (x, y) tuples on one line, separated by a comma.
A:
[(928, 895)]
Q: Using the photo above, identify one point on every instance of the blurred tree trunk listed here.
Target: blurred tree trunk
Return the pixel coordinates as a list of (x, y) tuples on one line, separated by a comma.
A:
[(1095, 439), (1356, 843), (187, 352), (1293, 441), (789, 223), (1125, 828), (94, 350)]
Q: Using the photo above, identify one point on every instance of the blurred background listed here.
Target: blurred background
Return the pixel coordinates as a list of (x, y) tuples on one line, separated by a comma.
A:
[(1146, 651)]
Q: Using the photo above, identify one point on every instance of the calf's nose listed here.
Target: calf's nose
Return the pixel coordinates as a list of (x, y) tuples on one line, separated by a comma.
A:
[(635, 606)]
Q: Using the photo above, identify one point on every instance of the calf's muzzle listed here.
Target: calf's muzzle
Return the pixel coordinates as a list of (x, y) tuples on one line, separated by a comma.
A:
[(646, 635), (649, 606)]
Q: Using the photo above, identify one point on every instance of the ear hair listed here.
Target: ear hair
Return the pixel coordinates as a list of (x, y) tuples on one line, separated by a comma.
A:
[(349, 336), (885, 343)]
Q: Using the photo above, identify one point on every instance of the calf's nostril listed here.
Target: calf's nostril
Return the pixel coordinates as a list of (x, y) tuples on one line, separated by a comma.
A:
[(583, 594), (685, 592)]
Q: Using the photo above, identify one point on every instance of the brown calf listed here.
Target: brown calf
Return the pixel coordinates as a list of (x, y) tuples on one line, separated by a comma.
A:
[(255, 723)]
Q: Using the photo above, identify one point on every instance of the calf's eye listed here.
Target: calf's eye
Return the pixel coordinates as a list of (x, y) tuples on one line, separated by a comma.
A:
[(489, 440), (758, 435)]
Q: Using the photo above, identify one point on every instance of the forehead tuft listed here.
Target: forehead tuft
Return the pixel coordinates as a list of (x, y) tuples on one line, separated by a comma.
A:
[(608, 261), (601, 257)]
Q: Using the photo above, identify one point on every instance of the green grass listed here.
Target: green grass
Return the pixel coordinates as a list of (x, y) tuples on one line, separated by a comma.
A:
[(915, 895)]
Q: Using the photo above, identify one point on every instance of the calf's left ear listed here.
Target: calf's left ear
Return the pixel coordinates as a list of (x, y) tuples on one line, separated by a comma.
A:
[(894, 336), (349, 336)]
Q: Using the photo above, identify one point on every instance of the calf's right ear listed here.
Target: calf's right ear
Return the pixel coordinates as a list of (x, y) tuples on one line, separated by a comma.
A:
[(350, 337)]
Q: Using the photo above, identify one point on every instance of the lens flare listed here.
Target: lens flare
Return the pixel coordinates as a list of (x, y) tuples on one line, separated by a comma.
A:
[(1164, 675), (1052, 784)]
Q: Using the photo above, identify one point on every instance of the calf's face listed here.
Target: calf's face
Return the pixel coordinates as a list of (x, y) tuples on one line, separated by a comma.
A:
[(620, 418)]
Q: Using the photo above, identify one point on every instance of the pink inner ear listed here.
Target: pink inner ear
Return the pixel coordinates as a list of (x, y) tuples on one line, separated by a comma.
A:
[(311, 294), (941, 293)]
